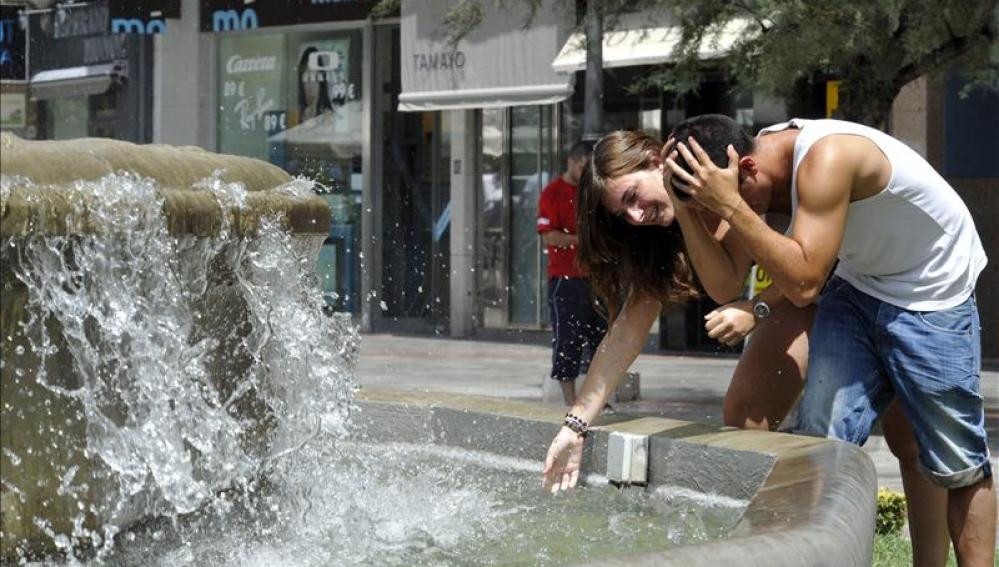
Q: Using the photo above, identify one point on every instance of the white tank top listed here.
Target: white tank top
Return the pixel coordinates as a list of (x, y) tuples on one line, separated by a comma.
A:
[(914, 244)]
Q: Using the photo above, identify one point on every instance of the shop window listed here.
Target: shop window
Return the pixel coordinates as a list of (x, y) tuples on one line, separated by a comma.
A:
[(68, 118), (971, 131), (492, 239), (530, 171), (295, 100), (83, 116)]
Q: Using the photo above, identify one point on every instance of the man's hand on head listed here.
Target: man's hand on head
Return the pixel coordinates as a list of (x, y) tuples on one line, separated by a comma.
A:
[(716, 188), (674, 187)]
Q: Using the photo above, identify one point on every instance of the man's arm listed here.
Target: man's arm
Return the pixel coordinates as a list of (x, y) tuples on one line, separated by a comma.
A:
[(720, 262), (550, 224), (800, 264), (559, 239)]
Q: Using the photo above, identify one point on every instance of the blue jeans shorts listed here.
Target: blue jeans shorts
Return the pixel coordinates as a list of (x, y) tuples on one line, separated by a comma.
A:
[(864, 351)]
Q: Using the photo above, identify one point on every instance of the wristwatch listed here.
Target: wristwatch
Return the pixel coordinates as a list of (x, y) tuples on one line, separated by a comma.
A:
[(761, 310)]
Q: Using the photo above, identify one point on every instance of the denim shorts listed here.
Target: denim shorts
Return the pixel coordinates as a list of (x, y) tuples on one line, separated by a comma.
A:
[(864, 351)]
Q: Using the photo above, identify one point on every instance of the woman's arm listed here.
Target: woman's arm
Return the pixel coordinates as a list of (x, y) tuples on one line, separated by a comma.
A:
[(730, 323), (620, 347), (559, 239), (616, 353)]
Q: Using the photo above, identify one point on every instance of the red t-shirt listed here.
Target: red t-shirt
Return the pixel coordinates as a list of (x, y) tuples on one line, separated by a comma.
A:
[(557, 211)]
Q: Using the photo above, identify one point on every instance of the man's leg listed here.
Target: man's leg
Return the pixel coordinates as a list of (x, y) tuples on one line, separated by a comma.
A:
[(594, 327), (926, 503), (771, 370), (934, 361), (568, 391), (566, 346), (846, 389), (971, 518)]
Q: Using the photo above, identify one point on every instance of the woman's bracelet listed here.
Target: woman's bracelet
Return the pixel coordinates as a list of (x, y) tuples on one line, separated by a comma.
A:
[(576, 425)]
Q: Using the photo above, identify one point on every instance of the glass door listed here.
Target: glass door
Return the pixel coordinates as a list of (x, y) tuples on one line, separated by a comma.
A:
[(531, 168), (415, 214)]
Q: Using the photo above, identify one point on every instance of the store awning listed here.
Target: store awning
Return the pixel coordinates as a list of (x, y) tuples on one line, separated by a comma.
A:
[(500, 63), (647, 45), (75, 81)]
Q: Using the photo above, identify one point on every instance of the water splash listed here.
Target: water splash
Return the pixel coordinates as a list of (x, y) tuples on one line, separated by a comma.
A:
[(194, 364), (351, 503)]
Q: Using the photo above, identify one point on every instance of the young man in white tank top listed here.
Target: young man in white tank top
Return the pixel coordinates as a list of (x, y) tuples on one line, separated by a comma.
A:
[(897, 319)]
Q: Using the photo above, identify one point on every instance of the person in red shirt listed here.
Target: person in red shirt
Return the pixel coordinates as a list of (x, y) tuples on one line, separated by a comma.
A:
[(577, 327)]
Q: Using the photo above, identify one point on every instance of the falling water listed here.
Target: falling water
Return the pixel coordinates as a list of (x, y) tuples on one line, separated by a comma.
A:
[(196, 363)]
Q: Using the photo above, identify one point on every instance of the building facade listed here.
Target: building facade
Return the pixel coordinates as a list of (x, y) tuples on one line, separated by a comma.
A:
[(431, 155), (81, 77)]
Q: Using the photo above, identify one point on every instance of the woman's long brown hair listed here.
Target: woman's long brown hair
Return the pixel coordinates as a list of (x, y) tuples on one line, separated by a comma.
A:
[(620, 258)]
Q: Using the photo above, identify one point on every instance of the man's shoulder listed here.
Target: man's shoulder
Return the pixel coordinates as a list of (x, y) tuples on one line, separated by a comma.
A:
[(838, 154), (555, 183), (558, 186)]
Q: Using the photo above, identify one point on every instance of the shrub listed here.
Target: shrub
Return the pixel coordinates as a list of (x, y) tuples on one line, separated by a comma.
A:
[(891, 512)]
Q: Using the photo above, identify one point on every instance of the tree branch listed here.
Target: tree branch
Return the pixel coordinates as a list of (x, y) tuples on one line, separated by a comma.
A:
[(754, 14), (953, 49)]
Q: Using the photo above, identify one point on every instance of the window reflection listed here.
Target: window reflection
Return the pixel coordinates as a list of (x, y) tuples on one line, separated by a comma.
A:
[(492, 281), (295, 100)]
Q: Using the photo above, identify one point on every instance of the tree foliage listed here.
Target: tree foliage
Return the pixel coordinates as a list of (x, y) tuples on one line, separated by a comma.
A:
[(874, 46)]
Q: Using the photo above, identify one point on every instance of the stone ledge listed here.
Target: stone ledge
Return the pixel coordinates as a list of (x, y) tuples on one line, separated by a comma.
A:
[(811, 501)]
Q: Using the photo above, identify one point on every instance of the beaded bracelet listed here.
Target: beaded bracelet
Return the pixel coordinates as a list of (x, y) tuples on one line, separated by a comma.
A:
[(576, 425)]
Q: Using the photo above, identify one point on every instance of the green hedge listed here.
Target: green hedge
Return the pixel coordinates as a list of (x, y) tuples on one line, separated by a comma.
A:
[(891, 512)]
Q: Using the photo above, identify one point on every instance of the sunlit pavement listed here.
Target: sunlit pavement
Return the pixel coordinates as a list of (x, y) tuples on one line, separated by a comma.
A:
[(675, 385)]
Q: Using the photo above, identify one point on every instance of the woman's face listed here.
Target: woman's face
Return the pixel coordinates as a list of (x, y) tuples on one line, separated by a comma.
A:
[(311, 91), (640, 198)]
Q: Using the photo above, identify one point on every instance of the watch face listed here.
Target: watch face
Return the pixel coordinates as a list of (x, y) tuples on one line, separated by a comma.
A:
[(761, 310)]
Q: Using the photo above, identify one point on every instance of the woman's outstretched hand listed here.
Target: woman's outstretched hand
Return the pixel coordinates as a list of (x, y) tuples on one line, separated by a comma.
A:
[(562, 463), (731, 322)]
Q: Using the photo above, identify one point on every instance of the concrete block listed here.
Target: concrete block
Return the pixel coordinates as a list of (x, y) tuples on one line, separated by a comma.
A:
[(627, 390), (627, 458)]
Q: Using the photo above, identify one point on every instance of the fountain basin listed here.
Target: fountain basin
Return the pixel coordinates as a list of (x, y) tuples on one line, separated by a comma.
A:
[(811, 501)]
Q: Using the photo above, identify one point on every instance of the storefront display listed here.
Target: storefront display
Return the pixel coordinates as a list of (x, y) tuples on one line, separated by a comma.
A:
[(87, 81), (295, 100)]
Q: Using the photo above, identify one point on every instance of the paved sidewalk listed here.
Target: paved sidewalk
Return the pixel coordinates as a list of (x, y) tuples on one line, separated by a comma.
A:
[(678, 386)]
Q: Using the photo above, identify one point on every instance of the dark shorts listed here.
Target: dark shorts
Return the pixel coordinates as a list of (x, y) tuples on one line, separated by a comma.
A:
[(577, 327)]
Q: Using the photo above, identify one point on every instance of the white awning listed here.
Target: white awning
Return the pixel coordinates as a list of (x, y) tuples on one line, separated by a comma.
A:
[(500, 63), (647, 45), (74, 81)]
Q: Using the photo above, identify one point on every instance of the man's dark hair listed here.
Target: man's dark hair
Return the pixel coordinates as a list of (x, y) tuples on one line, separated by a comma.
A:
[(580, 151), (714, 132)]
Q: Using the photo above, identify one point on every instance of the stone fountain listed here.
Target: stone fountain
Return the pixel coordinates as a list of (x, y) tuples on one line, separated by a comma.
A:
[(138, 316)]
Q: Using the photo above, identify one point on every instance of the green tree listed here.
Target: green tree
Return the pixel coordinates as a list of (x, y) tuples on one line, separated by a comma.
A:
[(874, 46)]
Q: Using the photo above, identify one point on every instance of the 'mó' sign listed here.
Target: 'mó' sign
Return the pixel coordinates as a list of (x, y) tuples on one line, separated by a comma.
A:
[(239, 15)]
